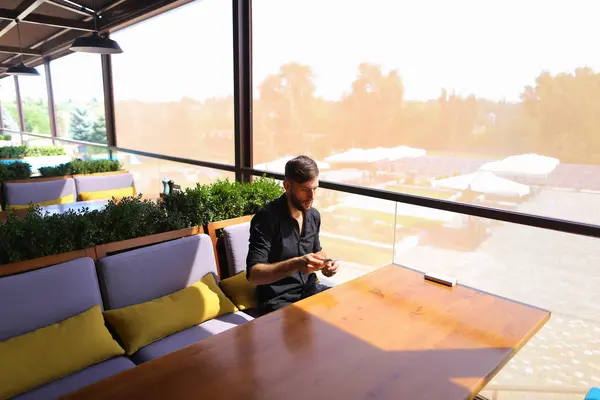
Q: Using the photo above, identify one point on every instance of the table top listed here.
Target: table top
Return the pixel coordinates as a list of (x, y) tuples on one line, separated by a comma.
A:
[(386, 335)]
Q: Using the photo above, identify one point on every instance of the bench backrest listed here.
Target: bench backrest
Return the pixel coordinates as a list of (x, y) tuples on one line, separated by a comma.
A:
[(23, 193), (43, 297), (237, 240), (151, 272), (102, 182)]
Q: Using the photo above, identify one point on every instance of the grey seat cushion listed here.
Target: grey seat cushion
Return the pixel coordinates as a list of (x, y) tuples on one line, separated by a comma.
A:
[(78, 380), (103, 182), (36, 299), (23, 193), (190, 336), (145, 274), (237, 240)]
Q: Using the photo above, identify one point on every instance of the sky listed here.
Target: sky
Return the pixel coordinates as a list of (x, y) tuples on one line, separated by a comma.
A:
[(489, 48)]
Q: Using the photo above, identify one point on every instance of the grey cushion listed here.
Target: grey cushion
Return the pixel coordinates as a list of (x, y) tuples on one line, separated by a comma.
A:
[(35, 299), (104, 182), (78, 380), (237, 240), (35, 192), (190, 336), (151, 272)]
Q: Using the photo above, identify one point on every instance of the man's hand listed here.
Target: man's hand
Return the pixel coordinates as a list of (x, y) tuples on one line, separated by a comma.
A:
[(330, 269), (309, 263)]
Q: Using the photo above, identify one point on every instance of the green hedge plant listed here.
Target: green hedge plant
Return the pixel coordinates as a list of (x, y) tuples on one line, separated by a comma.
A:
[(41, 234), (222, 200), (15, 170), (30, 151), (5, 137), (82, 167)]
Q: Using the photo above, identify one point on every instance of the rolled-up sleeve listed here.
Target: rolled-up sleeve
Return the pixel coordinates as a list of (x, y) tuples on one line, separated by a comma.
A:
[(317, 243), (261, 233)]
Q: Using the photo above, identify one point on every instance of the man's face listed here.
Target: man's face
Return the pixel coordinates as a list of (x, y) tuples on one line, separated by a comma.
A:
[(301, 195)]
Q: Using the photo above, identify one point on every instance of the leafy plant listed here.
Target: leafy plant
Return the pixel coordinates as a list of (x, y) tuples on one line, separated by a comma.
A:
[(30, 151), (222, 200), (81, 167), (5, 137), (16, 170), (42, 234)]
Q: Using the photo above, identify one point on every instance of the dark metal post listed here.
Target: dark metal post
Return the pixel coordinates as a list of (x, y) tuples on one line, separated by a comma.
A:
[(51, 108), (19, 108), (242, 76), (109, 102)]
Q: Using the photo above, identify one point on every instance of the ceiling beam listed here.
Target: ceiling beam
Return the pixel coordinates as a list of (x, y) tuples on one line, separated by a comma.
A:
[(23, 10), (16, 50), (71, 6), (47, 20)]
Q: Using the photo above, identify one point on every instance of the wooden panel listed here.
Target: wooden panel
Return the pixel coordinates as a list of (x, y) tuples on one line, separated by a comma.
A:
[(212, 229), (42, 262), (103, 250), (40, 179), (386, 335)]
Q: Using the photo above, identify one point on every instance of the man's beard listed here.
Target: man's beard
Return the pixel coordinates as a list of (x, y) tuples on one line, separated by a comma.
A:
[(297, 203)]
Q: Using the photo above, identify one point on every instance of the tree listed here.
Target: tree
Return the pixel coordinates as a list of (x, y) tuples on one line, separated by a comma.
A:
[(98, 133), (80, 126), (371, 112), (562, 115)]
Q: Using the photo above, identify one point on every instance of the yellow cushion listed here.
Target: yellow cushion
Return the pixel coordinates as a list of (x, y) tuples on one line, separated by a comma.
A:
[(141, 324), (241, 292), (50, 353), (61, 200), (108, 194)]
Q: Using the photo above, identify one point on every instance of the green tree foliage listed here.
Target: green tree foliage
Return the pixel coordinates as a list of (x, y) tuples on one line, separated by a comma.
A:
[(80, 126)]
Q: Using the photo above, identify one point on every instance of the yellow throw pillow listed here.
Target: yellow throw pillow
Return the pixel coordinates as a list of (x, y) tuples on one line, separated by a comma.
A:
[(141, 324), (52, 352), (61, 200), (240, 291), (108, 194)]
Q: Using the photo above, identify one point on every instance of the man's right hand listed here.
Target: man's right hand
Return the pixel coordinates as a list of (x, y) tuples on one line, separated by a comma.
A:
[(309, 263)]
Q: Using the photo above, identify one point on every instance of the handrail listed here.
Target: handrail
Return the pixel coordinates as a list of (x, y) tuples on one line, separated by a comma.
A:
[(536, 221)]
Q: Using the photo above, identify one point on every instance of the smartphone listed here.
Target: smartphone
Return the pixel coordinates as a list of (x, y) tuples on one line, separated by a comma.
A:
[(331, 259)]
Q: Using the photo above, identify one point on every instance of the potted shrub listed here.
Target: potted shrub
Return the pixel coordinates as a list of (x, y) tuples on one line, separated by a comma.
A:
[(35, 156), (82, 167), (5, 140)]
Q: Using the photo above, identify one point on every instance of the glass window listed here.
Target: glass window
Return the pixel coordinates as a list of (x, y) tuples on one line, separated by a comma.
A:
[(79, 97), (552, 270), (8, 102), (173, 84), (480, 101), (149, 173), (34, 97)]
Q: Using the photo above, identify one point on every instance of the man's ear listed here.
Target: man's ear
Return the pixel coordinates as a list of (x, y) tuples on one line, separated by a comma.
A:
[(286, 184)]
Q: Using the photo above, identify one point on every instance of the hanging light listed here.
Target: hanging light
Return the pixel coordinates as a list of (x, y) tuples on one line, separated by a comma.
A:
[(21, 69), (96, 43)]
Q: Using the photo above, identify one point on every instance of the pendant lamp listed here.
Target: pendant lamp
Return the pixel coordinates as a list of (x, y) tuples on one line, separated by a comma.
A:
[(95, 44), (21, 69)]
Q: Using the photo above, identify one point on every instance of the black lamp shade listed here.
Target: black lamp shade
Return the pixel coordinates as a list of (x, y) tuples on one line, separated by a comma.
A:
[(96, 44), (23, 70)]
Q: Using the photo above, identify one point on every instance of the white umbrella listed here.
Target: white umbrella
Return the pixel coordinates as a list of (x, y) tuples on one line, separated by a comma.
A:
[(483, 182), (358, 155), (523, 164), (389, 207), (278, 165)]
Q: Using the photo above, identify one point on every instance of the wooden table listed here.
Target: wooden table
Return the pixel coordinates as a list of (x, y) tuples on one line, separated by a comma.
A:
[(386, 335)]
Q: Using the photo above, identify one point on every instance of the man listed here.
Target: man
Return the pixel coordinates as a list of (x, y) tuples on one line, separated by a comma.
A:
[(285, 250)]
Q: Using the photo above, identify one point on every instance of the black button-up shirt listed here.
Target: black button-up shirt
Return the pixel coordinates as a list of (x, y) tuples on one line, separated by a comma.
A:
[(275, 236)]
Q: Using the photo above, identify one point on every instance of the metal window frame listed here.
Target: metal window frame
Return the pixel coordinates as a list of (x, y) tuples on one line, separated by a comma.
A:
[(243, 168)]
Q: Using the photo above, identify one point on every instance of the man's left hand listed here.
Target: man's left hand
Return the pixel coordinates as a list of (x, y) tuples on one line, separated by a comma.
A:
[(330, 269)]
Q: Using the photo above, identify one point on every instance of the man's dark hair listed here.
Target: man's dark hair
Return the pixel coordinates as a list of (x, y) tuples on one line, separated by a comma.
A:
[(301, 169)]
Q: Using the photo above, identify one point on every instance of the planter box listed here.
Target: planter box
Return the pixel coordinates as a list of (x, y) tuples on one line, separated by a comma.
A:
[(38, 162), (42, 262), (97, 252)]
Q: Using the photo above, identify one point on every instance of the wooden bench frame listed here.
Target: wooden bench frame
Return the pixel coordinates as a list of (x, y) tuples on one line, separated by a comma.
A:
[(212, 229)]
